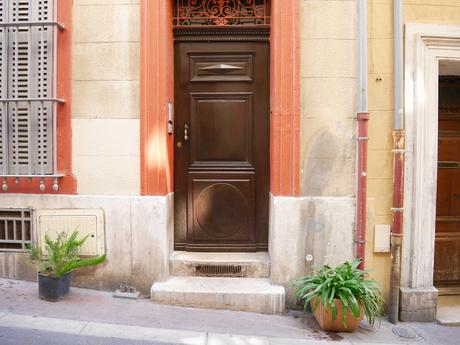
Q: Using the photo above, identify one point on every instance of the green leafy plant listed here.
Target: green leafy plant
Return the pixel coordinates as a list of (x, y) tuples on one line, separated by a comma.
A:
[(346, 283), (62, 255)]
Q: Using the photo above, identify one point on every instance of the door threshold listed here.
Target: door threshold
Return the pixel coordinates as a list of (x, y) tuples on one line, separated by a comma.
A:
[(448, 290)]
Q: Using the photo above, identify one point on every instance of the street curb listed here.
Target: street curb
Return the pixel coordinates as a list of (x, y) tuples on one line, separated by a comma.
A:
[(128, 332)]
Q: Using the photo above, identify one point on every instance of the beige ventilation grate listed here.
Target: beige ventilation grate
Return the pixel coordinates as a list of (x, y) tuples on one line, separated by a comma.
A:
[(88, 222), (219, 270)]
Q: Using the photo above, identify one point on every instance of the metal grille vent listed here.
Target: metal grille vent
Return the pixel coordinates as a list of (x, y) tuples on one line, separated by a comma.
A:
[(15, 229), (219, 270)]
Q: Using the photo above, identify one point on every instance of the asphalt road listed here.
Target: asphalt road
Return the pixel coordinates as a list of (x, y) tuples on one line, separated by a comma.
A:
[(21, 336)]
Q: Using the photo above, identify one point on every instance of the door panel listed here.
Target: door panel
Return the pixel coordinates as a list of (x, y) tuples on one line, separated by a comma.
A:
[(221, 145), (447, 236), (223, 126), (223, 67), (221, 207)]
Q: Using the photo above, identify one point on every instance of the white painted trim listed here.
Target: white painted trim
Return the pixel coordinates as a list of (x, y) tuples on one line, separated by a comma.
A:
[(425, 46)]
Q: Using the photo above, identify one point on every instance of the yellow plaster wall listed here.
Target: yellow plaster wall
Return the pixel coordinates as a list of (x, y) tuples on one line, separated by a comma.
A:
[(381, 105), (328, 97)]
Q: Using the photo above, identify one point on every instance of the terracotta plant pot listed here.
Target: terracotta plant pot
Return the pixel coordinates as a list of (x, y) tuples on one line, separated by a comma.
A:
[(326, 323)]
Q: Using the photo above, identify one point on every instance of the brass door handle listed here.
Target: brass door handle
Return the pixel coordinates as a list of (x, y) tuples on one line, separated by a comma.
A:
[(186, 133)]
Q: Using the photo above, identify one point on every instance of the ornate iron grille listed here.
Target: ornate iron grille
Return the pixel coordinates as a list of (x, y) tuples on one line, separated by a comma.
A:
[(222, 12)]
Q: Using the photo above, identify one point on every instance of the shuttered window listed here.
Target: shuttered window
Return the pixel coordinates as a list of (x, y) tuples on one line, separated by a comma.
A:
[(28, 38)]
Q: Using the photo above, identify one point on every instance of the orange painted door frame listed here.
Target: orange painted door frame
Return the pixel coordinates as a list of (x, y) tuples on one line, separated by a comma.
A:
[(157, 89)]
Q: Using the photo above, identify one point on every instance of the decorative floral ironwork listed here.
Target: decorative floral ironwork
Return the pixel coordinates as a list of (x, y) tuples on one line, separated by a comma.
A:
[(222, 12)]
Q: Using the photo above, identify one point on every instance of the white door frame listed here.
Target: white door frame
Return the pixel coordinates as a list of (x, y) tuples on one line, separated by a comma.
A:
[(425, 46)]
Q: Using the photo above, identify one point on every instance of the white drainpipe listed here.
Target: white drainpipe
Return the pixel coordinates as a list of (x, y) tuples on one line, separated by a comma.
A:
[(398, 64), (363, 73), (362, 139)]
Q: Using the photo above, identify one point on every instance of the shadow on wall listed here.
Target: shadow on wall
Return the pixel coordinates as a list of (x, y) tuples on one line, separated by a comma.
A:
[(329, 214), (320, 162)]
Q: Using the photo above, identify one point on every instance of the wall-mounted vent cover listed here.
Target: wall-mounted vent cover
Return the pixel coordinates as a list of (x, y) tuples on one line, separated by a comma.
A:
[(219, 270), (86, 221)]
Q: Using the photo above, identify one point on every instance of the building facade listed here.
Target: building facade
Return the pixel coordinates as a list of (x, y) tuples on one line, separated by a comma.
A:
[(423, 271), (215, 145)]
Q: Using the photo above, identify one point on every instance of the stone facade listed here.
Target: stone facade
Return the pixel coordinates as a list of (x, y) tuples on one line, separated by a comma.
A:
[(105, 91), (324, 215), (381, 108), (306, 230), (314, 228), (138, 246)]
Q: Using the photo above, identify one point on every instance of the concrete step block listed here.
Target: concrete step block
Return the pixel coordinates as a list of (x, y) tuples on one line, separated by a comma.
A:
[(253, 265), (243, 294)]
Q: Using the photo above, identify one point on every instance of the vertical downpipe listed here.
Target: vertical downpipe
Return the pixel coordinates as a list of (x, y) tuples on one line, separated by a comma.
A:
[(363, 118), (396, 227), (360, 236), (398, 166)]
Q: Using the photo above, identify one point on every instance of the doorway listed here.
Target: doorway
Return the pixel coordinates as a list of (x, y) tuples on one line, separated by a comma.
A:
[(447, 234), (221, 142)]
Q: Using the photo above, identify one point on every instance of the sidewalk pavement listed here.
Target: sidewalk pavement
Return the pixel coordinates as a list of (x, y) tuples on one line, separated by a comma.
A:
[(89, 313)]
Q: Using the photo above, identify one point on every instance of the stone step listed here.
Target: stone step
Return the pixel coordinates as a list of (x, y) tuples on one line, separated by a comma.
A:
[(242, 294), (250, 265)]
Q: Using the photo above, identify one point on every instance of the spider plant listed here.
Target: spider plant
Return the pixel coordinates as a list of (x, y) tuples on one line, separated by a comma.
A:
[(345, 283), (62, 255)]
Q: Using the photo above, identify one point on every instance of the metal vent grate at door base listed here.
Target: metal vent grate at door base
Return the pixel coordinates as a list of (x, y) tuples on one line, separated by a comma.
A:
[(219, 271)]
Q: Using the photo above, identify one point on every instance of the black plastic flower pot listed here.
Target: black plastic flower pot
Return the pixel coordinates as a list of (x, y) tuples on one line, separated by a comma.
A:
[(53, 289)]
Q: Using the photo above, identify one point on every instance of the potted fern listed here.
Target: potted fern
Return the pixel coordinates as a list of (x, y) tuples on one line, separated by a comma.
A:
[(339, 297), (55, 266)]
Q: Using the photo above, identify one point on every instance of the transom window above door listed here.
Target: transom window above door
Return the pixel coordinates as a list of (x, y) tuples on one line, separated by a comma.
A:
[(222, 12)]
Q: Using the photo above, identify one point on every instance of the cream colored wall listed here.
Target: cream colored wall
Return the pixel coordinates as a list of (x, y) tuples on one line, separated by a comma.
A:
[(328, 97), (329, 94), (105, 91), (381, 105)]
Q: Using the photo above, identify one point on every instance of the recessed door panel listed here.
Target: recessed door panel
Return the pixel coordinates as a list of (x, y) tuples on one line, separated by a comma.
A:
[(222, 123), (222, 207), (221, 67)]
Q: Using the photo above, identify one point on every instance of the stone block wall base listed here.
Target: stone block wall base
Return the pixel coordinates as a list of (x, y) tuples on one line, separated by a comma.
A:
[(418, 304), (138, 234)]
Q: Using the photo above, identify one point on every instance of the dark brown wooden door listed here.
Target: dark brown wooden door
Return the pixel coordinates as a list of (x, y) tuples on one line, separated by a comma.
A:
[(221, 145), (447, 239)]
